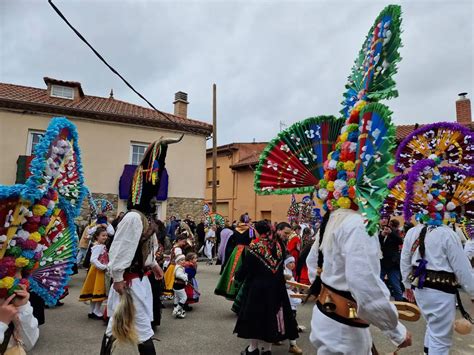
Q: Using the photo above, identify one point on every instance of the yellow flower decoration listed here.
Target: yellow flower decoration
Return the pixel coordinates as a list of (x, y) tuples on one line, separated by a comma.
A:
[(344, 202), (330, 186), (21, 262), (349, 166), (343, 137), (7, 282), (39, 210), (35, 237)]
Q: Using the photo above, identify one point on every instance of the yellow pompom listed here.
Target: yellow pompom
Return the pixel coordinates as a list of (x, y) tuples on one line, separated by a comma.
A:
[(7, 282), (21, 262), (349, 166), (35, 237), (359, 105), (56, 211), (39, 210), (330, 186), (343, 137), (344, 202)]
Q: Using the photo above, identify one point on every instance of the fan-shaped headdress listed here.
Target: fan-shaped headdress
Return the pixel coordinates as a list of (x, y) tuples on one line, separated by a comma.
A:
[(437, 184), (37, 232), (347, 159)]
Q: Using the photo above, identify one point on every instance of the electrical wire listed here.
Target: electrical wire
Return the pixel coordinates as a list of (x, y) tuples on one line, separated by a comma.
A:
[(180, 126)]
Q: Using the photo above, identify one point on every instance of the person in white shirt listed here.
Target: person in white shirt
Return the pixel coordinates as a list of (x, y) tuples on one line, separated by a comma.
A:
[(445, 267), (17, 311), (180, 280), (132, 254), (210, 241), (351, 273)]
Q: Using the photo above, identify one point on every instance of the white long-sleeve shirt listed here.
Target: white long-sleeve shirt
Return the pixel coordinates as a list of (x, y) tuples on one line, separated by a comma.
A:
[(312, 260), (351, 263), (443, 252), (96, 251), (125, 244), (179, 273), (29, 331)]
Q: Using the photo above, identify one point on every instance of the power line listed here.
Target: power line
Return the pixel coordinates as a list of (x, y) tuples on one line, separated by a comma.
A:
[(182, 127)]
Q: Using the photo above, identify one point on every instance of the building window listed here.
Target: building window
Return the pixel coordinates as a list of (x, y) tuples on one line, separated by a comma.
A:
[(63, 92), (209, 177), (137, 150), (34, 138)]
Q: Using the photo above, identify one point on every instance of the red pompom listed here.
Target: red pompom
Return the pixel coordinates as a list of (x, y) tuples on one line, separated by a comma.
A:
[(354, 118), (332, 175)]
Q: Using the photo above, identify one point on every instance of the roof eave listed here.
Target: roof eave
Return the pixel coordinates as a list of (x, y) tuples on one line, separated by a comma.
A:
[(102, 116)]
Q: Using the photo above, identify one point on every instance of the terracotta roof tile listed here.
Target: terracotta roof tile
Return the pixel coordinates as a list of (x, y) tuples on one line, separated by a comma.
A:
[(94, 107)]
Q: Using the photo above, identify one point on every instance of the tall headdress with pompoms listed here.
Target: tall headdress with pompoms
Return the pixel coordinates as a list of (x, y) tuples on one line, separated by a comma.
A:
[(346, 160), (37, 218)]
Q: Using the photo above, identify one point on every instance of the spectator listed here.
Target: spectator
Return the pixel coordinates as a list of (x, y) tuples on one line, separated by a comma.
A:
[(390, 243), (201, 233), (172, 226)]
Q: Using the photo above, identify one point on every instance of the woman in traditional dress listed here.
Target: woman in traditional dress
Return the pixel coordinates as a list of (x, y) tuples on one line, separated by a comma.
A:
[(265, 315), (236, 244)]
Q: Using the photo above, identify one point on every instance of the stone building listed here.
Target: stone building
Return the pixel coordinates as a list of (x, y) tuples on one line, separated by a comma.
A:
[(113, 136)]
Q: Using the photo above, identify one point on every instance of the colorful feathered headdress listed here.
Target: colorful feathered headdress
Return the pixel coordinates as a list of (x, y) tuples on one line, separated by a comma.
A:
[(37, 232), (347, 160), (437, 183)]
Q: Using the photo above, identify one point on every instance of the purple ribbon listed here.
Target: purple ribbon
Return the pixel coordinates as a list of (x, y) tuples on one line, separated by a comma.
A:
[(420, 272)]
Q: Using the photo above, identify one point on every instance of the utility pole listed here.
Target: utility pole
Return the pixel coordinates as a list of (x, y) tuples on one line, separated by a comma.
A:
[(214, 150)]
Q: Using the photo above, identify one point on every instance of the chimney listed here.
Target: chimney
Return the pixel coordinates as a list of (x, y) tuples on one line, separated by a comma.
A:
[(463, 109), (181, 104)]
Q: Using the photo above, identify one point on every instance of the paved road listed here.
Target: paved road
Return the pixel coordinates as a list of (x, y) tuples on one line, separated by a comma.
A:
[(206, 330)]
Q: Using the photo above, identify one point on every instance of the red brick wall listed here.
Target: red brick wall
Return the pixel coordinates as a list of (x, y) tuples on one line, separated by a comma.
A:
[(463, 111)]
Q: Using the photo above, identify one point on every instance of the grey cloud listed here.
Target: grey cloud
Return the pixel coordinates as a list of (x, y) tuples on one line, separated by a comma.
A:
[(272, 61)]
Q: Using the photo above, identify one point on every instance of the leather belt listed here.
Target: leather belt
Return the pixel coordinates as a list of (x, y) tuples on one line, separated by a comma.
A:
[(343, 310)]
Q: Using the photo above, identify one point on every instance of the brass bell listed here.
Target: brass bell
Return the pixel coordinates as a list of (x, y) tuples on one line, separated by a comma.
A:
[(428, 279), (416, 282), (329, 306), (352, 311), (438, 279)]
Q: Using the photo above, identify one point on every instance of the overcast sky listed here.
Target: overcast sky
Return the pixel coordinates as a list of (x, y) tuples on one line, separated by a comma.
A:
[(272, 61)]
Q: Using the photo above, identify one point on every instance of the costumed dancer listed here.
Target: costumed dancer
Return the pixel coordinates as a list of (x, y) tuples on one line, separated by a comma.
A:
[(265, 315), (132, 256), (240, 239), (192, 288), (439, 178), (348, 159), (94, 286), (180, 280), (294, 302), (170, 265)]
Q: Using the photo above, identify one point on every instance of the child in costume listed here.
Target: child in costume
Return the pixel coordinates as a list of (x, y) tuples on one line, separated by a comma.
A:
[(169, 264), (180, 280), (94, 288), (190, 267), (294, 302)]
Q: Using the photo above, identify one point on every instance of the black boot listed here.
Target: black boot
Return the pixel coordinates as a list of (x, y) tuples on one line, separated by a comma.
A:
[(147, 347), (247, 352)]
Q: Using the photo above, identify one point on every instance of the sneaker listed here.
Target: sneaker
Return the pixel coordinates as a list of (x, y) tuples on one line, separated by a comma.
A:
[(181, 314), (301, 328), (175, 311), (295, 349), (247, 352)]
